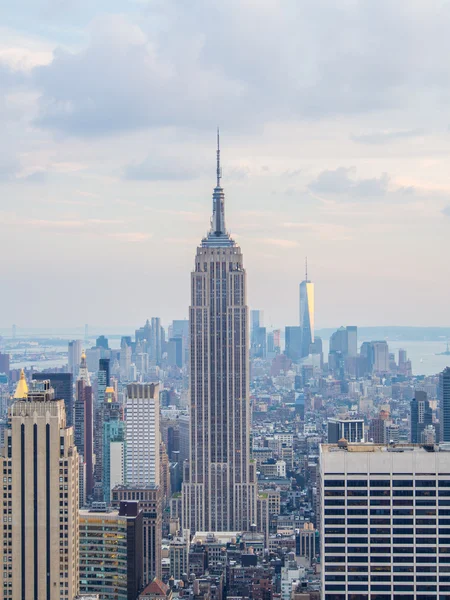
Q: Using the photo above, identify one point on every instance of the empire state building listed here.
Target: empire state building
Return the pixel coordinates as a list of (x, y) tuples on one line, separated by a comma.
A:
[(219, 489)]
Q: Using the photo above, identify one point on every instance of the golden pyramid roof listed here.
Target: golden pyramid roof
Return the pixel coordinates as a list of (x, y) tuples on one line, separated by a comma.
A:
[(22, 387)]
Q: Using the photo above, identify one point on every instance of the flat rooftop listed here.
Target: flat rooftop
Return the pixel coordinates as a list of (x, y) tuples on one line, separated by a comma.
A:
[(372, 448)]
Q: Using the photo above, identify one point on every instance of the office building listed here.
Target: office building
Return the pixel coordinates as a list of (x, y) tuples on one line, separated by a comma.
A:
[(142, 435), (307, 541), (351, 430), (84, 432), (377, 430), (125, 359), (257, 334), (219, 488), (175, 352), (259, 343), (306, 313), (143, 334), (444, 404), (74, 351), (156, 341), (352, 341), (179, 553), (293, 341), (111, 551), (345, 340), (103, 378), (149, 499), (385, 527), (62, 384), (4, 363), (339, 341), (39, 504), (421, 416), (114, 445), (102, 342), (380, 357), (183, 427), (256, 319), (103, 382)]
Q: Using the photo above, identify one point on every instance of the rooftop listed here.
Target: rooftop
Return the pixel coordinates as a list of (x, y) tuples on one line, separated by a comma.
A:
[(372, 448), (156, 587)]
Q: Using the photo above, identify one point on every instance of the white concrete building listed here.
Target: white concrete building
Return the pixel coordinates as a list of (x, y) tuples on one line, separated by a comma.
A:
[(142, 435), (384, 522)]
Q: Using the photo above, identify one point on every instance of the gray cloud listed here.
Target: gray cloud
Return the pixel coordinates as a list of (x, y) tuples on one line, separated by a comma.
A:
[(245, 65), (339, 181)]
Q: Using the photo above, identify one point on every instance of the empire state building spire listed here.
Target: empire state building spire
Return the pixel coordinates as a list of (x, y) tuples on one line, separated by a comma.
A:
[(219, 170), (218, 235)]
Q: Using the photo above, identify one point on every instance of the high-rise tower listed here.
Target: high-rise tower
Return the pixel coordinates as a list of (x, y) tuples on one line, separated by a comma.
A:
[(39, 504), (306, 313), (444, 404), (219, 490)]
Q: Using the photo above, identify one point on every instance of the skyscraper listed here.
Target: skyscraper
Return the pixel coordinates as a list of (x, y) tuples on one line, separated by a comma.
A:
[(142, 435), (84, 426), (306, 313), (219, 489), (155, 342), (421, 416), (381, 357), (113, 455), (384, 522), (103, 381), (39, 536), (62, 384), (125, 359), (111, 551), (74, 357), (4, 363), (444, 404), (293, 341), (352, 341)]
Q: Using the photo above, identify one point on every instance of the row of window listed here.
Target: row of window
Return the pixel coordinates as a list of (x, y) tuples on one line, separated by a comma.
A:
[(386, 483)]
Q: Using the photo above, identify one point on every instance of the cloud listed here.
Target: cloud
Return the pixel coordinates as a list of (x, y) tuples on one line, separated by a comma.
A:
[(9, 167), (446, 211), (185, 215), (322, 231), (186, 64), (385, 137), (339, 181), (281, 243), (35, 177), (131, 236), (160, 169)]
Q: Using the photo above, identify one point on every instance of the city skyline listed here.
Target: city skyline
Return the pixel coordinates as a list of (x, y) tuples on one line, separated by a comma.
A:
[(249, 402), (309, 171)]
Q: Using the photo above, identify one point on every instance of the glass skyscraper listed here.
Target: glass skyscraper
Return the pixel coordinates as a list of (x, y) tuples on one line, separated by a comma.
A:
[(306, 314)]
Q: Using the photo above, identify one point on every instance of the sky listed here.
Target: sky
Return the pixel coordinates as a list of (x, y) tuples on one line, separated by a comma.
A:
[(335, 135)]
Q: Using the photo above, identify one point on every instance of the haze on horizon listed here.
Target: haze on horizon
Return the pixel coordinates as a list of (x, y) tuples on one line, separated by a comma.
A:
[(335, 131)]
